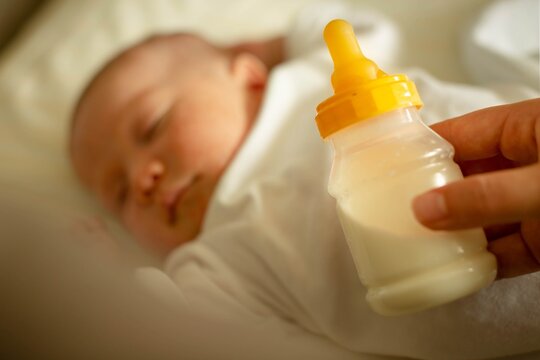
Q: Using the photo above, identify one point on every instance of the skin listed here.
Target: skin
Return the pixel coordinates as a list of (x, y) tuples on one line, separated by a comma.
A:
[(157, 128), (497, 149)]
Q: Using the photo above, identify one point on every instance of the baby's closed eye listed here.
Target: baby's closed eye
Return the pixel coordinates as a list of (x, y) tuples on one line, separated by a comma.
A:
[(151, 127)]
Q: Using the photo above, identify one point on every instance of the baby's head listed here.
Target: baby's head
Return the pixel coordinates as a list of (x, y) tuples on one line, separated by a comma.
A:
[(154, 131)]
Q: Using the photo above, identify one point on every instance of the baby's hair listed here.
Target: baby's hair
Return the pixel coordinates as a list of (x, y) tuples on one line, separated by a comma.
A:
[(149, 41), (173, 39)]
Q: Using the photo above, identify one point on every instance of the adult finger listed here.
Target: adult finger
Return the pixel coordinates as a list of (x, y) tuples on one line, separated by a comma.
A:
[(509, 130), (518, 253), (530, 231), (493, 198), (498, 231), (495, 163)]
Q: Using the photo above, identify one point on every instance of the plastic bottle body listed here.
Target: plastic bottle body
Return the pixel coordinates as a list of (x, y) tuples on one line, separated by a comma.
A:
[(380, 165)]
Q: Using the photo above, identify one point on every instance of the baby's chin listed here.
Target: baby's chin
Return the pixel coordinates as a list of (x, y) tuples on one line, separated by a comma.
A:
[(185, 227), (194, 211), (172, 236)]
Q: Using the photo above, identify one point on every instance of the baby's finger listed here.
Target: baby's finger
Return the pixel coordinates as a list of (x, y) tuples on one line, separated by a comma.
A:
[(494, 198)]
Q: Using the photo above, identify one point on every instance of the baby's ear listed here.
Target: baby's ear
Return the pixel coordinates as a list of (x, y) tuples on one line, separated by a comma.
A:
[(250, 70)]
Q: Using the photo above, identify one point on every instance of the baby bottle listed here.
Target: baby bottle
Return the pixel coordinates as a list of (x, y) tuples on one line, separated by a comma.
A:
[(384, 156)]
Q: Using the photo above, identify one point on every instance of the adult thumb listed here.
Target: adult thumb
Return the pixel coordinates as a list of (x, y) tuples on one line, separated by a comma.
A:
[(490, 198)]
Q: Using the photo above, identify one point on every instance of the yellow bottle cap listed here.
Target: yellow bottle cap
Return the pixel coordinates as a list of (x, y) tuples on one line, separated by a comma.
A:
[(361, 89)]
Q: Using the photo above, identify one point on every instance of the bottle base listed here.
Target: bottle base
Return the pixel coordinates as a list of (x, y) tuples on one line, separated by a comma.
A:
[(440, 286)]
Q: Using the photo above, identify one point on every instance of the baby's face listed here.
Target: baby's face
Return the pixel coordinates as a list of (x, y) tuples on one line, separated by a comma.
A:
[(155, 133)]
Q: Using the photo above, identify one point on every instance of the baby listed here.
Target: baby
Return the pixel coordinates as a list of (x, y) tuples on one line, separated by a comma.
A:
[(157, 126)]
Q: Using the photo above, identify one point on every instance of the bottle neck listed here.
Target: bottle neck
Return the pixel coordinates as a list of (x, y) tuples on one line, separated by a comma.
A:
[(395, 123)]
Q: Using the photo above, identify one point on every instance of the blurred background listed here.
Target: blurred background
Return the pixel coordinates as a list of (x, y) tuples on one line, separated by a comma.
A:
[(12, 14), (436, 24)]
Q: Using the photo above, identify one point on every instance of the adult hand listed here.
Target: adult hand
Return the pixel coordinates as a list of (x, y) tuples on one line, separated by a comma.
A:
[(497, 150)]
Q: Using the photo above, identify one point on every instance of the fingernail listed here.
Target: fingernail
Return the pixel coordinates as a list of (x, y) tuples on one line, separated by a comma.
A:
[(430, 207)]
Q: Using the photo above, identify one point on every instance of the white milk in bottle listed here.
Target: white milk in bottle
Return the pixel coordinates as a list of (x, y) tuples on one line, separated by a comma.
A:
[(384, 157)]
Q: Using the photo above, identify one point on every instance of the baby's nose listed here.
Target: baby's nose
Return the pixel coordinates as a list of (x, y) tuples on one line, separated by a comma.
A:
[(146, 181)]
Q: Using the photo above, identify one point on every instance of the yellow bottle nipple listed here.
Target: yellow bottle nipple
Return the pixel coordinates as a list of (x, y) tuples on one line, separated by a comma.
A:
[(350, 65), (361, 89)]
